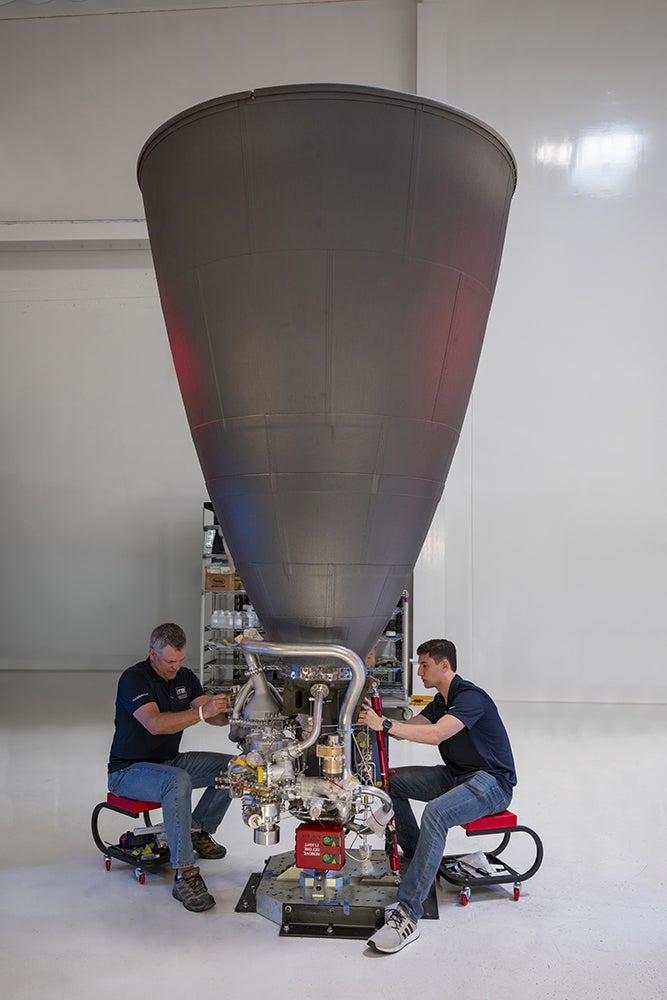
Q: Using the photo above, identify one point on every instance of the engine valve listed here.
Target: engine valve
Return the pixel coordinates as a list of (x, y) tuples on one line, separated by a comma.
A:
[(330, 752)]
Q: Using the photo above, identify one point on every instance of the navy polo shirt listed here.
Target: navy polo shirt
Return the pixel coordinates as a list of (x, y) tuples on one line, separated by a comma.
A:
[(139, 685), (483, 743)]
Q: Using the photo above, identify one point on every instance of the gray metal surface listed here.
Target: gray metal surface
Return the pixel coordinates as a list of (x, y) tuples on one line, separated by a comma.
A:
[(349, 904), (326, 258), (352, 904)]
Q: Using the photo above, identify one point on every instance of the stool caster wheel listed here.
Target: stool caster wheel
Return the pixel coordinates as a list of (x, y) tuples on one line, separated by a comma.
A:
[(140, 875), (465, 895), (107, 862), (517, 891)]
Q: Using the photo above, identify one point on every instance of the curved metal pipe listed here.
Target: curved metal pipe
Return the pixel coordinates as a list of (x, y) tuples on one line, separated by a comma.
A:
[(354, 689), (254, 666), (319, 693), (378, 793), (240, 700), (256, 685)]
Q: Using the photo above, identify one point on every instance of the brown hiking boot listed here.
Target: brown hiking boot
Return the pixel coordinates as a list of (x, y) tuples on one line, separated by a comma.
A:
[(206, 847), (191, 889)]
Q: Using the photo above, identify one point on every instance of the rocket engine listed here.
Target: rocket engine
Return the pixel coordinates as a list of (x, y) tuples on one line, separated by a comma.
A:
[(326, 257)]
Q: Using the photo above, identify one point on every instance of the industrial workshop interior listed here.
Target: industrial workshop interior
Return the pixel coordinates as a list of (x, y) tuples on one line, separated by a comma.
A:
[(330, 327)]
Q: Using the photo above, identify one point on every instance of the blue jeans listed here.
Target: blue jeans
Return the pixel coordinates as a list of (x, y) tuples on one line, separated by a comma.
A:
[(171, 784), (448, 805)]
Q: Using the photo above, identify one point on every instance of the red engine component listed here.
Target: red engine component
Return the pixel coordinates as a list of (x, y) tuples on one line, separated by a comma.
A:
[(392, 842), (320, 846)]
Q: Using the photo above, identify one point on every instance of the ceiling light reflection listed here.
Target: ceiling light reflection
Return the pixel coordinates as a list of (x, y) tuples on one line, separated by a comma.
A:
[(601, 161), (550, 153), (606, 161)]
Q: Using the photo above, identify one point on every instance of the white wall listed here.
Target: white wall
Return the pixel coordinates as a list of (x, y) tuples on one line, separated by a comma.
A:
[(100, 486), (554, 515), (547, 559)]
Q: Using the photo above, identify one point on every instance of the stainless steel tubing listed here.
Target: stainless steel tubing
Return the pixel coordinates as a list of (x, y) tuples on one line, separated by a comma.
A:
[(240, 700), (377, 793), (354, 688), (319, 693)]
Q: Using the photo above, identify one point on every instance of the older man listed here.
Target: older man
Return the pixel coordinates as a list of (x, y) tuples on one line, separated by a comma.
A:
[(158, 698)]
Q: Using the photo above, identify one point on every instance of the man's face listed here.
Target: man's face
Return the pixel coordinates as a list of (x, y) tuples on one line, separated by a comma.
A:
[(167, 662), (430, 671)]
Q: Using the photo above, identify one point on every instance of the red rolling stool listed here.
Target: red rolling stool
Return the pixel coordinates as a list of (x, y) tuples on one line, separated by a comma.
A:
[(506, 824), (132, 848)]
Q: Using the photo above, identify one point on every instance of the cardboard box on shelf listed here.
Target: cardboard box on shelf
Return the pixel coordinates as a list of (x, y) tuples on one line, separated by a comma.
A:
[(219, 577)]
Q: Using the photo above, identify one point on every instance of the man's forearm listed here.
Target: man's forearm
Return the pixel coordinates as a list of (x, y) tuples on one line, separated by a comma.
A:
[(415, 733), (166, 723)]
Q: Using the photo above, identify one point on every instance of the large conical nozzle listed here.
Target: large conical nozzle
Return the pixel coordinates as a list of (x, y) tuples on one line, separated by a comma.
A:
[(326, 258)]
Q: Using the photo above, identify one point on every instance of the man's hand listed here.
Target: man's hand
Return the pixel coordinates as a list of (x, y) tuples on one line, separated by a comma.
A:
[(369, 717), (214, 709)]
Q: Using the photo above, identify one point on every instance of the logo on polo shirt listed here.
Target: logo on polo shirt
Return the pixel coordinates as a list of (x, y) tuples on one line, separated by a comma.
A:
[(181, 692)]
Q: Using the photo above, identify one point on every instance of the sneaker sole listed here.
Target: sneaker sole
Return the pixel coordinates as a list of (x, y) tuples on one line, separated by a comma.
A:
[(399, 947)]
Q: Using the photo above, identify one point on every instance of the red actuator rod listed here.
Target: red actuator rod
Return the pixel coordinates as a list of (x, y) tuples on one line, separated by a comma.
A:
[(392, 843)]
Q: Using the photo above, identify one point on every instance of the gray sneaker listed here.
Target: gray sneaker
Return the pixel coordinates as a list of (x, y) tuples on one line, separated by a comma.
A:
[(191, 889), (399, 929), (205, 846)]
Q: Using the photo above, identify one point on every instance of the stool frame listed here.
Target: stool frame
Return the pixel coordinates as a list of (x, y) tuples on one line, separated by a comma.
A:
[(133, 808), (504, 823)]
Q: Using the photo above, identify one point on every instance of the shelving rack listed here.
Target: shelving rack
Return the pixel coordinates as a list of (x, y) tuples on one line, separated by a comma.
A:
[(389, 661), (225, 611)]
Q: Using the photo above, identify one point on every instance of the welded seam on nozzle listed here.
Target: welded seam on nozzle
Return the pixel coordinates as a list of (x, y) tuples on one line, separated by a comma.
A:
[(184, 118), (452, 324), (413, 186), (328, 345), (247, 179)]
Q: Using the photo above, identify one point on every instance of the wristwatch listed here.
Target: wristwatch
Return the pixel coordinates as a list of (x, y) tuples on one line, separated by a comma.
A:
[(386, 725)]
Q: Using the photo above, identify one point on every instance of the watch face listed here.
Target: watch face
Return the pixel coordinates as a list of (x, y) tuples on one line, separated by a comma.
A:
[(387, 724)]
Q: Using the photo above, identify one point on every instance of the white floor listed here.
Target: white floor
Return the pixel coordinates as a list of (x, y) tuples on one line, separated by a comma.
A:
[(591, 924)]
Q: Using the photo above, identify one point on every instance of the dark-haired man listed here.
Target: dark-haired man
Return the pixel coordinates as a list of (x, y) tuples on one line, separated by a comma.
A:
[(476, 779), (158, 698)]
